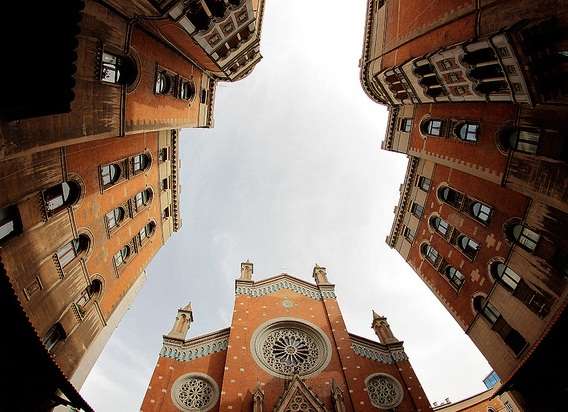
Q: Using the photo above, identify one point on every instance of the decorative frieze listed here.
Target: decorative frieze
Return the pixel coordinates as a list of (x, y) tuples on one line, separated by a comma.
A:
[(188, 351), (277, 285), (376, 354)]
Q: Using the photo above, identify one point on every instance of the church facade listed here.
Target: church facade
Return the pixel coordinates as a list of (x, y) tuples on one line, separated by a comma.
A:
[(288, 349)]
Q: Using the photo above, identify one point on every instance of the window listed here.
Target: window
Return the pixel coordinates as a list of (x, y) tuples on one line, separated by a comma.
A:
[(166, 213), (468, 246), (142, 198), (432, 127), (424, 183), (505, 274), (54, 335), (165, 183), (525, 141), (468, 132), (203, 96), (481, 212), (58, 197), (430, 253), (95, 288), (114, 217), (163, 83), (417, 210), (488, 311), (147, 231), (455, 277), (187, 91), (110, 174), (525, 237), (440, 225), (117, 70), (121, 256), (83, 299), (409, 234), (406, 125), (140, 162), (451, 196), (69, 251), (10, 222), (163, 154)]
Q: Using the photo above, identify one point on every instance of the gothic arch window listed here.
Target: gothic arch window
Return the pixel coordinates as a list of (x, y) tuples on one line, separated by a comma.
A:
[(110, 174), (121, 256), (284, 347), (504, 274), (468, 246), (430, 253), (114, 218), (523, 236), (140, 163), (450, 196), (385, 392), (440, 225), (10, 223), (455, 277), (143, 199), (468, 132), (481, 212), (195, 392), (73, 249), (432, 127), (117, 69), (61, 196)]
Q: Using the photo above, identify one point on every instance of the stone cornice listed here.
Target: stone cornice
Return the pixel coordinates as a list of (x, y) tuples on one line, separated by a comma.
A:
[(211, 104), (364, 62), (195, 348), (377, 351), (284, 281), (175, 179), (404, 195)]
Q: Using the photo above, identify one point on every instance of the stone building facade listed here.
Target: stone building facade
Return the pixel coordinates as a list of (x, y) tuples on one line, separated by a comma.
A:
[(89, 161), (287, 349), (477, 94)]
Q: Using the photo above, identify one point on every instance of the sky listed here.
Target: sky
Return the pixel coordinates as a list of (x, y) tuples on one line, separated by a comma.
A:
[(291, 175)]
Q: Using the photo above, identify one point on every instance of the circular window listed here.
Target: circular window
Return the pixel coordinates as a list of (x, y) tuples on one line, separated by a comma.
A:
[(385, 392), (195, 392), (285, 347)]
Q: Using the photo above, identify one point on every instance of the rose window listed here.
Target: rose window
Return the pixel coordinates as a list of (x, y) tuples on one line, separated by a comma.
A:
[(195, 392), (384, 391), (288, 347)]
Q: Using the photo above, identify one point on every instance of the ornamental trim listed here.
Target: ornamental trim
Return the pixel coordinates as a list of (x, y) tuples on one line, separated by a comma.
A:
[(258, 290), (186, 353), (378, 355)]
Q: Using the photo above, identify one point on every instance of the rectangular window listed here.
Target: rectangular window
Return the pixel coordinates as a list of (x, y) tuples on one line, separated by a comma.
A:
[(118, 259), (528, 239), (163, 154), (527, 141), (203, 96), (406, 125), (166, 213), (109, 70), (55, 335), (491, 313), (434, 127), (424, 183), (66, 254), (409, 234), (10, 222), (417, 210), (142, 234), (165, 183)]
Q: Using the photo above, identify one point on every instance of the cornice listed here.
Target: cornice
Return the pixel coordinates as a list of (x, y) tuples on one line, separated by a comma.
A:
[(175, 179), (284, 281), (404, 195), (377, 351), (364, 62), (195, 348)]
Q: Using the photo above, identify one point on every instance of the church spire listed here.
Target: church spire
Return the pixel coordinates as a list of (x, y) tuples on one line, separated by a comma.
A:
[(182, 323), (320, 275), (246, 270), (382, 329)]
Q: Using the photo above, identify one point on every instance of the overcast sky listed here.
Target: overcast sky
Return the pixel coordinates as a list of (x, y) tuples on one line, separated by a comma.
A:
[(292, 174)]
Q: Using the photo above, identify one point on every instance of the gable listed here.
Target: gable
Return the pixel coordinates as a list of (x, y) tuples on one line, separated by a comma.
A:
[(298, 397)]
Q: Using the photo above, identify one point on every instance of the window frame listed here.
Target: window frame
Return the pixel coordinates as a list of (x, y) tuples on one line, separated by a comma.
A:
[(11, 216), (471, 134), (417, 210), (406, 125), (409, 234), (433, 127), (424, 183), (454, 275), (527, 238), (54, 336), (483, 212)]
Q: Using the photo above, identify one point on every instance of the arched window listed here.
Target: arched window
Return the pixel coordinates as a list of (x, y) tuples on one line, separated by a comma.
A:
[(187, 91), (484, 307), (430, 253), (524, 237), (69, 251), (61, 196), (110, 174), (147, 231), (432, 127), (521, 140), (117, 69), (114, 217), (450, 196), (455, 277), (10, 223), (53, 336), (468, 246), (95, 288), (440, 225), (481, 211), (468, 132), (504, 274), (142, 199), (163, 83), (121, 256), (140, 163)]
